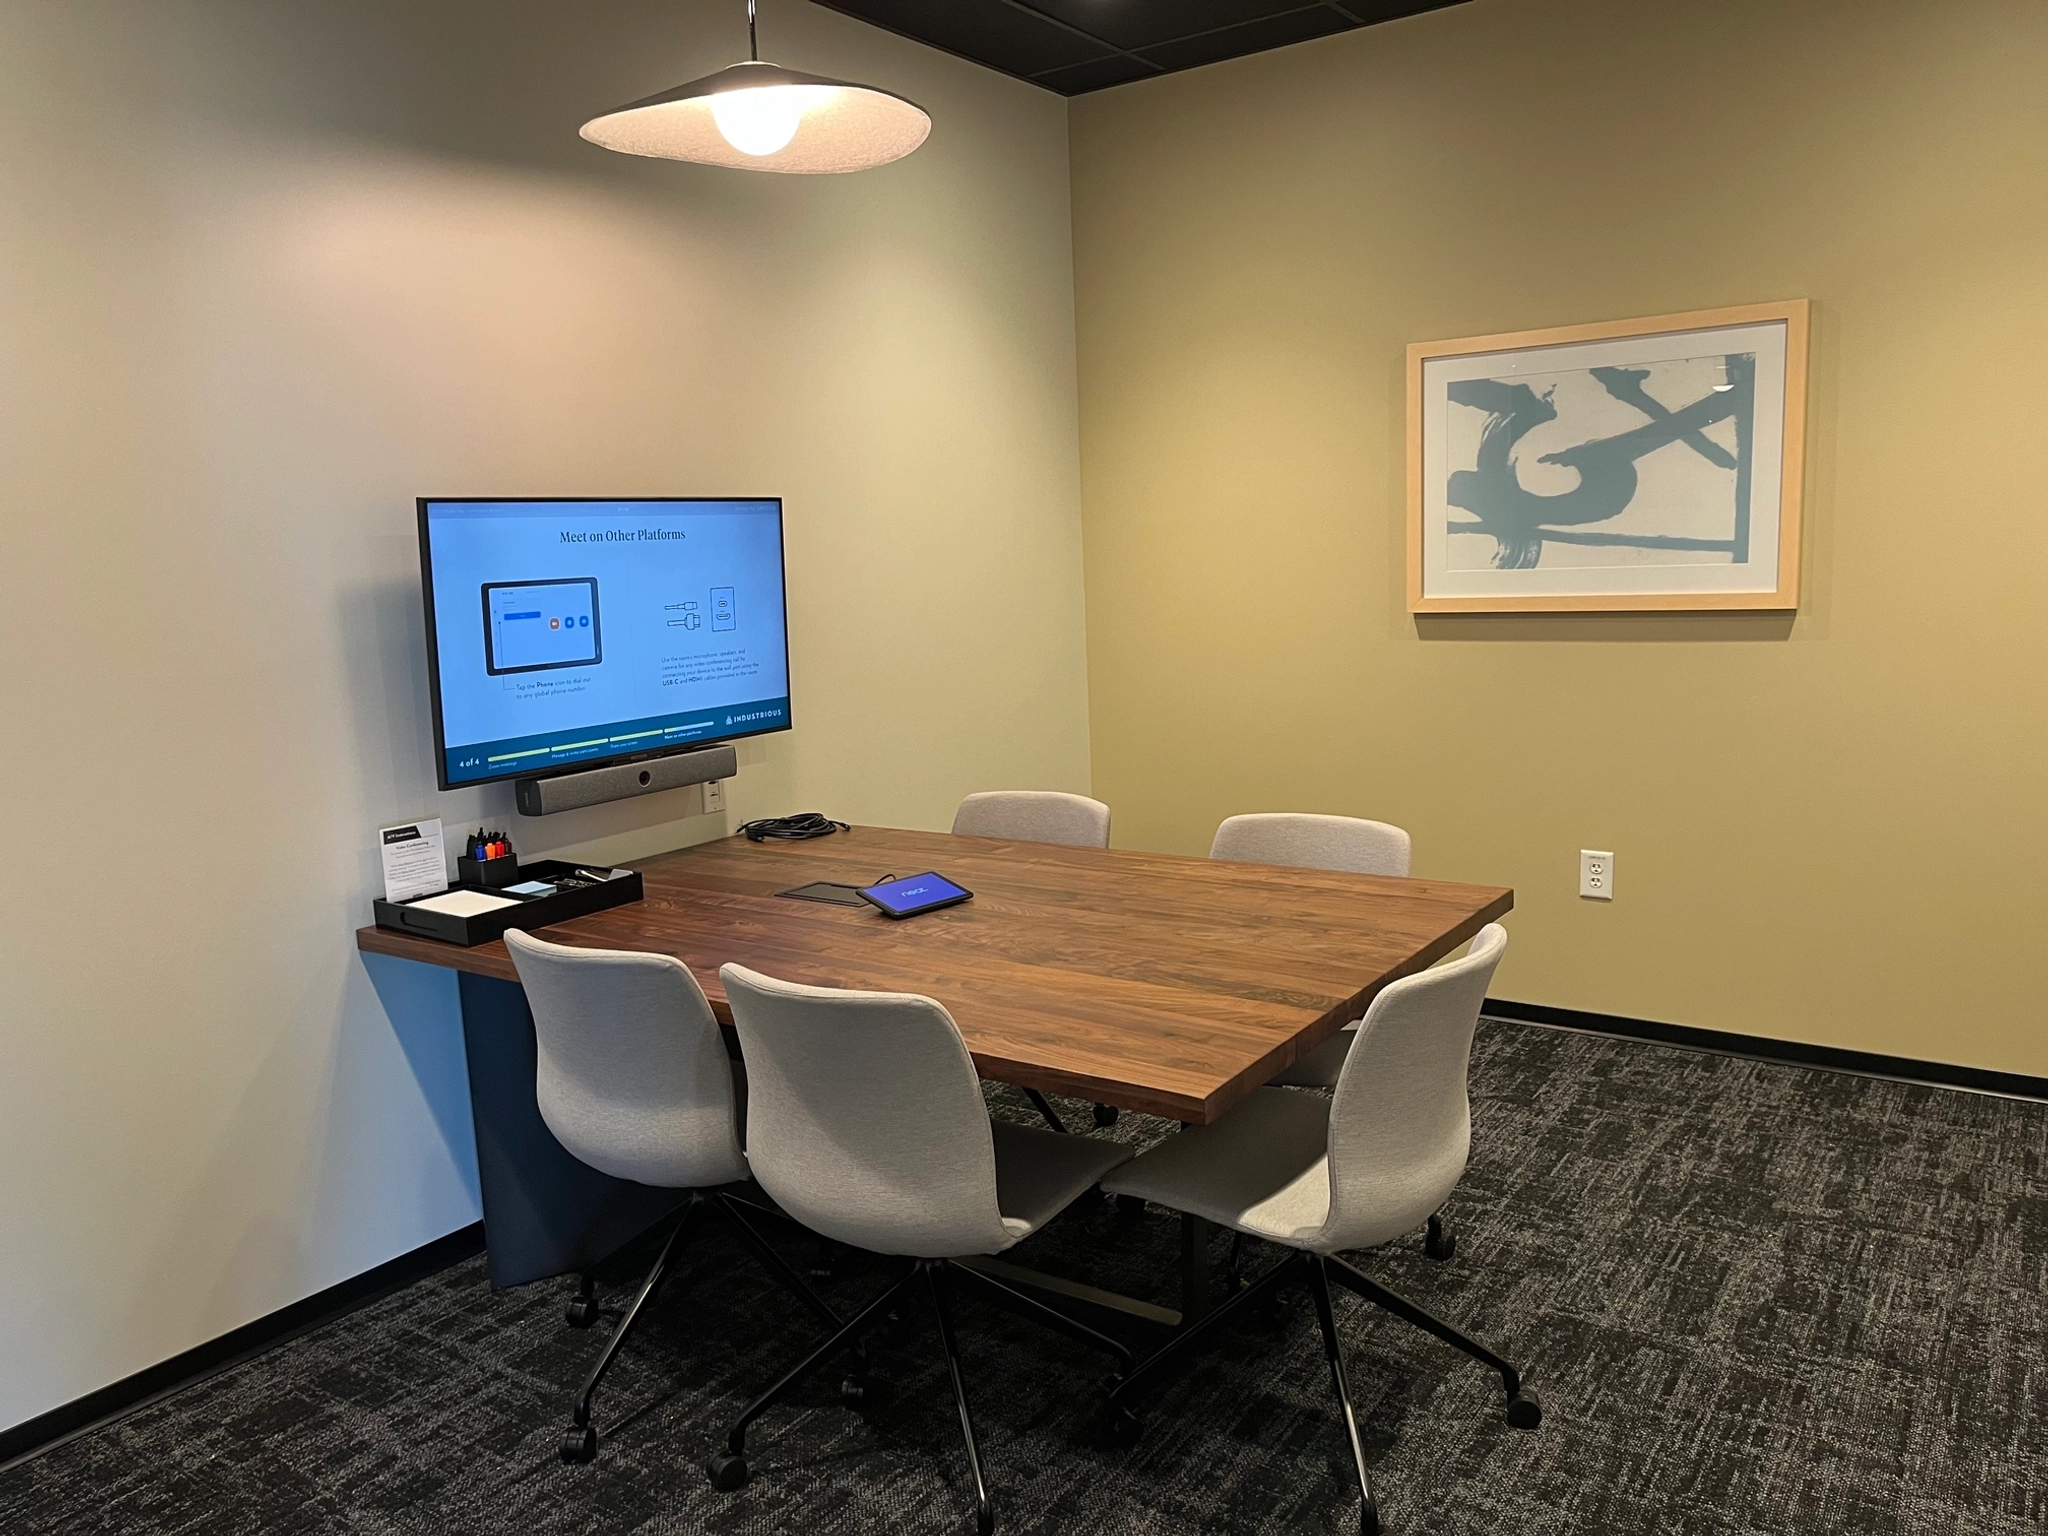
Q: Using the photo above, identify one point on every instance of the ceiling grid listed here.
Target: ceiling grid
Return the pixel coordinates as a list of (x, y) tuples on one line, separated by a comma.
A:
[(1075, 46)]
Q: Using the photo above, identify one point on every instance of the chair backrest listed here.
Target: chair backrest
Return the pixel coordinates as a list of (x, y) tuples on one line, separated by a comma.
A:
[(1034, 816), (1400, 1122), (633, 1076), (1345, 843), (865, 1118)]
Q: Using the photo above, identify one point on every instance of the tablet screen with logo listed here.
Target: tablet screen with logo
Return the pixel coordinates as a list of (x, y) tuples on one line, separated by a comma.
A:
[(918, 893)]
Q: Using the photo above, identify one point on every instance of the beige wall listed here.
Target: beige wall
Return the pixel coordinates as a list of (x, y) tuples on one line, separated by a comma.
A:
[(1829, 829), (269, 271)]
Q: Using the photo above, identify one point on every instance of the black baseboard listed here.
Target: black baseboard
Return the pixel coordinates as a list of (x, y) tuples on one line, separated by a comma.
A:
[(1905, 1069), (230, 1349)]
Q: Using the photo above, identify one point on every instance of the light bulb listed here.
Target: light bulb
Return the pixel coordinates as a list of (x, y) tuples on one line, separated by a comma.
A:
[(764, 119)]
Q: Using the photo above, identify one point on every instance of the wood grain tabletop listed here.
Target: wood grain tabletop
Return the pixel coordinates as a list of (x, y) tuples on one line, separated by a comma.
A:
[(1155, 982)]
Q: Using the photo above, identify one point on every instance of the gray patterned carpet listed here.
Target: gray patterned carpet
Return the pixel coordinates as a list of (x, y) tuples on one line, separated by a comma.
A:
[(1754, 1299)]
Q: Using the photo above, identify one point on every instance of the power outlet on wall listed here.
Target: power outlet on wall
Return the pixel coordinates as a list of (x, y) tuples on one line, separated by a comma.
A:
[(1596, 874), (714, 796)]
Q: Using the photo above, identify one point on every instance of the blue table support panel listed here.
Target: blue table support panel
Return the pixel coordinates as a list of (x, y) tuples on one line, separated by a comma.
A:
[(545, 1213)]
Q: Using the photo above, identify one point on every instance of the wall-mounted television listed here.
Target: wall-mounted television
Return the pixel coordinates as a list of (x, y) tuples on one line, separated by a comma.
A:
[(570, 634)]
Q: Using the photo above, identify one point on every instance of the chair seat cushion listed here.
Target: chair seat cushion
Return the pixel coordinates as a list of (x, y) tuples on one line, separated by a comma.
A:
[(1041, 1173), (1264, 1168), (1319, 1068)]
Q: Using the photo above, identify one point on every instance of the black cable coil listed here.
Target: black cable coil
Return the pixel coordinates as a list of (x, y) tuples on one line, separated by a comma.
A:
[(792, 829)]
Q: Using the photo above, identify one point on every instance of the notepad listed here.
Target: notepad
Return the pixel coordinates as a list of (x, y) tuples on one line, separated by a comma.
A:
[(463, 903)]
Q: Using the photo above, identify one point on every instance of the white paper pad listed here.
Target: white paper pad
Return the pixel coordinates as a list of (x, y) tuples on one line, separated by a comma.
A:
[(463, 903)]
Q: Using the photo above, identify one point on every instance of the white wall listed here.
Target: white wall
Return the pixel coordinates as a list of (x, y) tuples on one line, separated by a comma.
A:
[(267, 272)]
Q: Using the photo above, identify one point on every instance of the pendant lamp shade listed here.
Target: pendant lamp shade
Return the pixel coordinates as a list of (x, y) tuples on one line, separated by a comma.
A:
[(762, 117)]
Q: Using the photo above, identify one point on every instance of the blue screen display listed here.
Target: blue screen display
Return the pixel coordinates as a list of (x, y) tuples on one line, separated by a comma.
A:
[(567, 633), (915, 892)]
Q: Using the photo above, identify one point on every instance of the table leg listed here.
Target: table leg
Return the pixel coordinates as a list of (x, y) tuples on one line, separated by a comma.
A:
[(545, 1213), (1195, 1299)]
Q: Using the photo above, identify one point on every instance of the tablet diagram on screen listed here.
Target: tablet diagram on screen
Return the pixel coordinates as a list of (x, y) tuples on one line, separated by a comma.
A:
[(530, 626)]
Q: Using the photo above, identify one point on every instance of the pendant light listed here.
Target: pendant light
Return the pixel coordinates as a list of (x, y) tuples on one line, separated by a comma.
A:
[(762, 117)]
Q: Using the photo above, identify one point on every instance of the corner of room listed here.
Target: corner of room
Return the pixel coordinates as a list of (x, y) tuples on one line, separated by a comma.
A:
[(1228, 689)]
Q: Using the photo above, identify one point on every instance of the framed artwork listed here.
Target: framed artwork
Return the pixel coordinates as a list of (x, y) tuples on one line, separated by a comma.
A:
[(1643, 464)]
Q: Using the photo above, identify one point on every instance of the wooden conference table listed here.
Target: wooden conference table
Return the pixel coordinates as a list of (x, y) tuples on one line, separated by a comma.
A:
[(1152, 982)]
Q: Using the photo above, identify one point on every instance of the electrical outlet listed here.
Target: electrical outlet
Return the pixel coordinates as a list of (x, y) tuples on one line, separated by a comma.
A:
[(714, 796), (1596, 874)]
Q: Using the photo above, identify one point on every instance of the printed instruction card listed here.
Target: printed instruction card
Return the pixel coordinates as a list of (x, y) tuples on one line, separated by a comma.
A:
[(414, 863)]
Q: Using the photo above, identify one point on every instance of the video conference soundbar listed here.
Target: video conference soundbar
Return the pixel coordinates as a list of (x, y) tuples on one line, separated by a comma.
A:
[(569, 791)]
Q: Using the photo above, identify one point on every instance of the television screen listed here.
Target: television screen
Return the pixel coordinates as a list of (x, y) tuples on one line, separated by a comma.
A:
[(571, 634)]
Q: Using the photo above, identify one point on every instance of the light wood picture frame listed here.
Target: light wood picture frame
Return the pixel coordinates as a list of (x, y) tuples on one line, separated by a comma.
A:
[(1635, 465)]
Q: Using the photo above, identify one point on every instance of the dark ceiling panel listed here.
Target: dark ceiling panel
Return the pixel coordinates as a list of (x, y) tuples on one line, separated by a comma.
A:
[(1138, 24), (1072, 46), (1008, 37), (1117, 69)]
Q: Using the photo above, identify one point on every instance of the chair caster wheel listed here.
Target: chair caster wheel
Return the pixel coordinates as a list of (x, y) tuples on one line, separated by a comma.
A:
[(1369, 1519), (581, 1312), (1437, 1244), (1125, 1428), (580, 1445), (855, 1393), (728, 1473), (1525, 1410), (1105, 1116)]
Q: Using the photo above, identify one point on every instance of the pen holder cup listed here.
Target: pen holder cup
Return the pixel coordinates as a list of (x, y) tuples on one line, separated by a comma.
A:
[(486, 874)]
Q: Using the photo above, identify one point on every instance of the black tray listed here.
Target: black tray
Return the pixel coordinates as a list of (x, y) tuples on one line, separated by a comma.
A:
[(532, 912)]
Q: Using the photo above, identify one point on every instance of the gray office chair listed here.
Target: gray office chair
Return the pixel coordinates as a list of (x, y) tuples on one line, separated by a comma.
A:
[(1034, 816), (633, 1078), (1306, 841), (1347, 843), (866, 1123), (1039, 816), (1321, 1176)]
